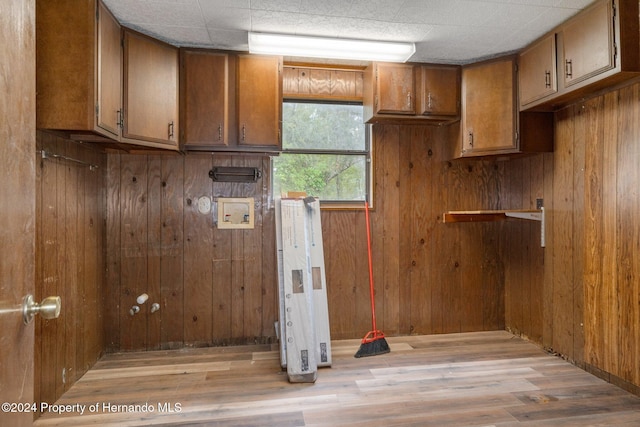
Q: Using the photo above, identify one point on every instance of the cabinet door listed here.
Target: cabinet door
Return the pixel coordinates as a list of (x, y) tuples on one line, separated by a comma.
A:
[(259, 100), (395, 89), (438, 90), (207, 98), (537, 73), (489, 119), (109, 86), (588, 44), (150, 92)]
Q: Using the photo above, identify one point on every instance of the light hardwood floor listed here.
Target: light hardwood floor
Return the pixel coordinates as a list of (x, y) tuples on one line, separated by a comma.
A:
[(470, 379)]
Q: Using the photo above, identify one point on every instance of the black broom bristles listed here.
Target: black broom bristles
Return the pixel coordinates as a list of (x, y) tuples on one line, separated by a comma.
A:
[(373, 344)]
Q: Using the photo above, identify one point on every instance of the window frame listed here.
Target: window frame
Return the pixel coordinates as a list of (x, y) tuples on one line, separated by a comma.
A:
[(367, 152)]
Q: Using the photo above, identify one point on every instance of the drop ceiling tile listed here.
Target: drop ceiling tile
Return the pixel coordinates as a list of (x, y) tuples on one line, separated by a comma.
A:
[(182, 13), (177, 36), (227, 18), (229, 39), (325, 7), (547, 22), (223, 4), (274, 22), (456, 31), (447, 12), (377, 10), (514, 15), (388, 31), (575, 4), (276, 5), (321, 25)]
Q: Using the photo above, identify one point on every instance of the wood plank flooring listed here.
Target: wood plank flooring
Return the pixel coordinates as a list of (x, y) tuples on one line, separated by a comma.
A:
[(469, 379)]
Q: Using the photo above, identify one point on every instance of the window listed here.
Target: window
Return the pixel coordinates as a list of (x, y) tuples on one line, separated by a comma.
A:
[(325, 152)]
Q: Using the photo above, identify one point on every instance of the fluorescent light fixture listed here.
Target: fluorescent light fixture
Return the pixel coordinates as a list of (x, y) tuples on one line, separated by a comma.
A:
[(335, 48)]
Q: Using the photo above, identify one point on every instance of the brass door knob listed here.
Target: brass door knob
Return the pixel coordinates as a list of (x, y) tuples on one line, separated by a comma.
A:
[(49, 308)]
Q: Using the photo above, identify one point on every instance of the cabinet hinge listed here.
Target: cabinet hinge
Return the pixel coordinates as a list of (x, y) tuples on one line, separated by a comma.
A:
[(97, 110)]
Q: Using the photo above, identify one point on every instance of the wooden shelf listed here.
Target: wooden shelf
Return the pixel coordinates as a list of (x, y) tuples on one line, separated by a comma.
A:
[(491, 215), (497, 215)]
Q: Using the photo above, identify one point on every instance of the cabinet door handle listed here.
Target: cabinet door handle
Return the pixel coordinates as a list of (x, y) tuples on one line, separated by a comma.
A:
[(171, 129), (429, 101), (568, 68), (409, 99), (547, 79)]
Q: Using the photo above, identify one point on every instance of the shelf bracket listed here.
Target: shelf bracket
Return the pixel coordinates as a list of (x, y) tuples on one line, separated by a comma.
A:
[(533, 216)]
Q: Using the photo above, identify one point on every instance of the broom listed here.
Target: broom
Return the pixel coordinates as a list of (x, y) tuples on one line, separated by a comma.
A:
[(373, 343)]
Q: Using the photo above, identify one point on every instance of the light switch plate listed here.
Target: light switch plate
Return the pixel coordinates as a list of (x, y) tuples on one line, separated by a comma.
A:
[(204, 205)]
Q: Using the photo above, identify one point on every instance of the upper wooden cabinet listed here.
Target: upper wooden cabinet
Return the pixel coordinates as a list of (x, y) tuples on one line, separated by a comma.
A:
[(595, 49), (393, 89), (207, 106), (438, 90), (95, 91), (488, 119), (538, 77), (588, 44), (109, 77), (490, 123), (407, 93), (259, 101), (78, 69), (230, 102), (150, 92)]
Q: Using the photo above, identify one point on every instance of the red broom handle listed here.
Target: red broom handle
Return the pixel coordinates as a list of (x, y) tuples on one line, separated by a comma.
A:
[(373, 308)]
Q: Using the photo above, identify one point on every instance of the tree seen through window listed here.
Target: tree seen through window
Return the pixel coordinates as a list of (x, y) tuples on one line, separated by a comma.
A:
[(325, 151)]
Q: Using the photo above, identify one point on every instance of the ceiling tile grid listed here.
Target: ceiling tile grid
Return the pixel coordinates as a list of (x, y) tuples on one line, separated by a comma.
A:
[(445, 31)]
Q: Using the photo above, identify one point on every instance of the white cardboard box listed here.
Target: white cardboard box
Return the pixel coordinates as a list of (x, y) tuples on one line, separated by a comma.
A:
[(280, 324), (300, 333), (319, 283)]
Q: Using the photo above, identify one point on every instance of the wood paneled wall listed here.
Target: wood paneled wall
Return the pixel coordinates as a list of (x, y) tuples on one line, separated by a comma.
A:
[(214, 287), (218, 287), (70, 236), (430, 277), (579, 296)]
